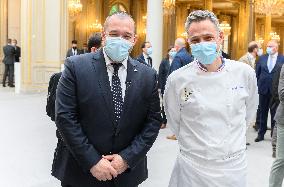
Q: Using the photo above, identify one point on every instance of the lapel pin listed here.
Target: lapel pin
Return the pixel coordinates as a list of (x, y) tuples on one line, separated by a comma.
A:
[(135, 70)]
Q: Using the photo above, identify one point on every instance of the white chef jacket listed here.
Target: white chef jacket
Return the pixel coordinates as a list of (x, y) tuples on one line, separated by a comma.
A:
[(209, 112)]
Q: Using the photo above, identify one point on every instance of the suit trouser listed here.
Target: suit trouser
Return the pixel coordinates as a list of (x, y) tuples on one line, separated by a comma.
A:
[(9, 71), (163, 112), (277, 170), (264, 106)]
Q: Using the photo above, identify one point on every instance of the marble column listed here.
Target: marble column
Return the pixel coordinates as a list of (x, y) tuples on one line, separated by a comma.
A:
[(3, 31), (243, 28), (267, 30), (208, 5), (155, 29)]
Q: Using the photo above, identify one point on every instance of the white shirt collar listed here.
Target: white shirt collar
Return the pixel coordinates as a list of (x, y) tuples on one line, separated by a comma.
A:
[(145, 57), (108, 60), (251, 56), (274, 55)]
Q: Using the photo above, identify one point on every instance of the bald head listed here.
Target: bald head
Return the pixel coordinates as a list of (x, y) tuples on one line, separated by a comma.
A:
[(180, 43), (273, 44)]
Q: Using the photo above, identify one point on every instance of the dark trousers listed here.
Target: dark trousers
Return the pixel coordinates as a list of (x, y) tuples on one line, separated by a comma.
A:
[(9, 71), (264, 106), (257, 121), (64, 185), (163, 113)]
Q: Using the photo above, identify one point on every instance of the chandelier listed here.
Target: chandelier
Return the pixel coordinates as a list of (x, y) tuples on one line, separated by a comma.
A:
[(225, 27), (74, 8), (275, 36), (96, 27), (169, 6), (269, 7)]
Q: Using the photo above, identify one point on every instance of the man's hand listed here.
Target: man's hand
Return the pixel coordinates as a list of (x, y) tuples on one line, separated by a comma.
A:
[(117, 162), (103, 170)]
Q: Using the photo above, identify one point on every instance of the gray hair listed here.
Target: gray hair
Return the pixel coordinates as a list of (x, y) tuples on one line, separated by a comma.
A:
[(201, 15), (121, 15)]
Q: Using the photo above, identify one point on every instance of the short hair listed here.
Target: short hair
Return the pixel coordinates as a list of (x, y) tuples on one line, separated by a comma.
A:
[(9, 40), (201, 15), (120, 15), (144, 44), (95, 40), (252, 45), (74, 42)]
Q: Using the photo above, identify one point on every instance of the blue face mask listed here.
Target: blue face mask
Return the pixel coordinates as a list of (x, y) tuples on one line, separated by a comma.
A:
[(172, 54), (205, 52), (149, 51), (117, 48), (269, 50)]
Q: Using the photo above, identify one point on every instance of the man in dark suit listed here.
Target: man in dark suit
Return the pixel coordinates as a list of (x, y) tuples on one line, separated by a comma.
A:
[(73, 50), (17, 50), (145, 57), (9, 60), (164, 70), (107, 112), (182, 57), (274, 102), (266, 67)]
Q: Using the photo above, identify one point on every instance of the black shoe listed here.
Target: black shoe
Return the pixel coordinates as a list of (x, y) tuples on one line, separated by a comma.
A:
[(4, 85), (247, 143), (12, 85), (258, 139), (273, 154)]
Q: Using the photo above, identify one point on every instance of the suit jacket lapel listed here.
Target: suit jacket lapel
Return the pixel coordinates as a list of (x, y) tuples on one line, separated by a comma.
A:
[(276, 64), (265, 63), (131, 82), (99, 65)]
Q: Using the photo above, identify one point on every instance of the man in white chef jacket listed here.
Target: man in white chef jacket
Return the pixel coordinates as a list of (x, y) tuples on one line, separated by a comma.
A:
[(209, 104)]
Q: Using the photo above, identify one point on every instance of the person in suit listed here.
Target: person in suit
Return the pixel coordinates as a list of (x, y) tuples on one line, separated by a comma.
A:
[(9, 60), (274, 102), (95, 42), (107, 112), (17, 50), (164, 70), (73, 50), (85, 48), (254, 50), (266, 67), (277, 170), (182, 57), (145, 57)]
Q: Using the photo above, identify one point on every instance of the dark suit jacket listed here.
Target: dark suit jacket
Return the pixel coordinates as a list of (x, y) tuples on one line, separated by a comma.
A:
[(274, 90), (181, 59), (9, 54), (264, 78), (142, 60), (85, 119), (70, 53), (18, 54), (164, 70), (279, 116)]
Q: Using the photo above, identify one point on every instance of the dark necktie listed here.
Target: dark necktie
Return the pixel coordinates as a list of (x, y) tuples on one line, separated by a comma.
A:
[(116, 91), (149, 61)]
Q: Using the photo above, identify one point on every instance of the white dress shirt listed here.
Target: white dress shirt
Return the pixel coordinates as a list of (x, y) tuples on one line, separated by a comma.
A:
[(209, 113), (272, 59), (74, 52), (146, 59), (122, 72)]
